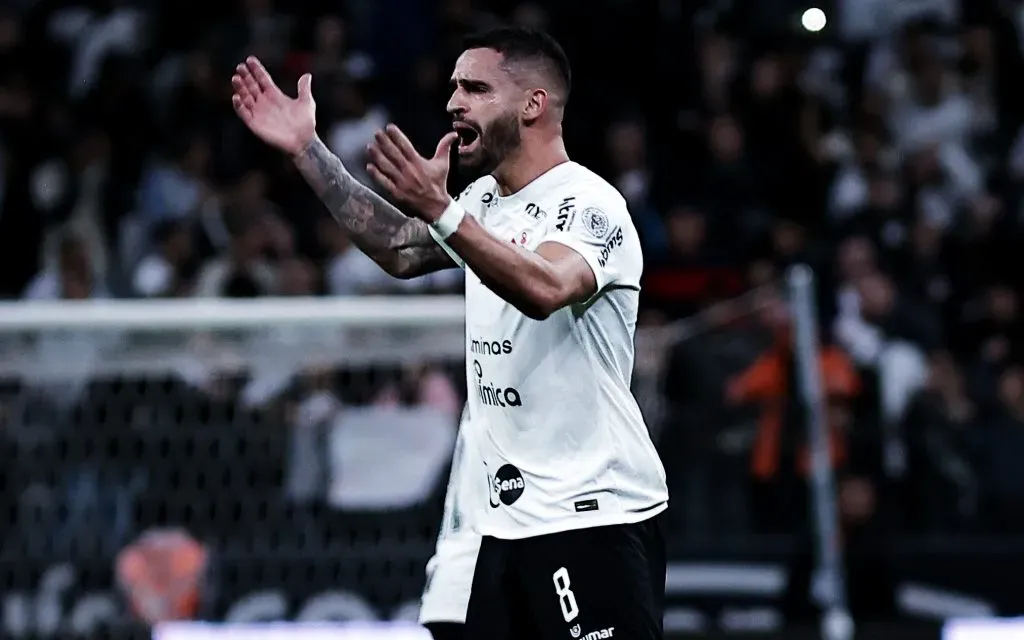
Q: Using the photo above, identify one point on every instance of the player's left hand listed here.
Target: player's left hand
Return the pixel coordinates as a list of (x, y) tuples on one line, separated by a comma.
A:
[(420, 183)]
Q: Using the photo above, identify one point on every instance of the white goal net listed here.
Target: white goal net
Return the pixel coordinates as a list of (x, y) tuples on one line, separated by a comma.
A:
[(303, 446)]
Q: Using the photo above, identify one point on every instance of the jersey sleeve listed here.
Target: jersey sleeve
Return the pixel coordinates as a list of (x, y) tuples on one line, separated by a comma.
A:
[(603, 233)]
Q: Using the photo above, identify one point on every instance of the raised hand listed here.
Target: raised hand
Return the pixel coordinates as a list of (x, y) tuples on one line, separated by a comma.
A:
[(286, 123), (410, 178)]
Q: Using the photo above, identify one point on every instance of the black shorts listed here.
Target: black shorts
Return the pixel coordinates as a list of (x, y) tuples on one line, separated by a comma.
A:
[(446, 630), (587, 584)]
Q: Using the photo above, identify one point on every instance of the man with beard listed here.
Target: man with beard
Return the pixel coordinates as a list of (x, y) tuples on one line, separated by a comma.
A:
[(571, 542)]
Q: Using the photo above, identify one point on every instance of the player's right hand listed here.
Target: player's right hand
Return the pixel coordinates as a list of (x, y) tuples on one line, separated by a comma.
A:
[(286, 123)]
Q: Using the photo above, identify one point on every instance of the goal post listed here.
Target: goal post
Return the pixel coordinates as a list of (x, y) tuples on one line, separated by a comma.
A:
[(221, 313), (830, 575), (60, 339)]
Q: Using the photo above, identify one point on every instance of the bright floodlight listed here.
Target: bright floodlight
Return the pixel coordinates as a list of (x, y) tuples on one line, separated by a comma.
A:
[(813, 19)]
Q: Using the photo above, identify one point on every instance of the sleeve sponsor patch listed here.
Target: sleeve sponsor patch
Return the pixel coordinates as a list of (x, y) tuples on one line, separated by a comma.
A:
[(613, 242), (566, 214)]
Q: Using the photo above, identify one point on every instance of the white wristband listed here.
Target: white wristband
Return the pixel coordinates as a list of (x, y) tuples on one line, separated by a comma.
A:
[(449, 221)]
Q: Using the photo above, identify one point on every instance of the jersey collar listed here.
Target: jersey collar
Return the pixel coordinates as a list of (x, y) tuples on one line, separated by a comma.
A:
[(540, 184)]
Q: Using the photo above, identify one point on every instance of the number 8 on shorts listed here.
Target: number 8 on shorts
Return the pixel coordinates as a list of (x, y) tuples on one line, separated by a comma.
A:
[(565, 596)]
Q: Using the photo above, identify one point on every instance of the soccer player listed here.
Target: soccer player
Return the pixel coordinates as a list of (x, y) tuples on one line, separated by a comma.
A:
[(450, 572), (571, 539)]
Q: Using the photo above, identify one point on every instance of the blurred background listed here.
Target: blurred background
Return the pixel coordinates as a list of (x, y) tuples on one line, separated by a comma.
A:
[(141, 481)]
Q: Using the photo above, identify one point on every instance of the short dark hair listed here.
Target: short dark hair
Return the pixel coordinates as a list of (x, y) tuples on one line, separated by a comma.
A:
[(518, 44)]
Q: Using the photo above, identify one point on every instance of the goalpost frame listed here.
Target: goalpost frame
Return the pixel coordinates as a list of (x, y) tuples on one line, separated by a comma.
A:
[(828, 584), (221, 313)]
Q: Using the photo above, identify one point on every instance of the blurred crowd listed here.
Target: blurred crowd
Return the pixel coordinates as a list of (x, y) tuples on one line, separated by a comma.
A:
[(885, 152), (888, 157)]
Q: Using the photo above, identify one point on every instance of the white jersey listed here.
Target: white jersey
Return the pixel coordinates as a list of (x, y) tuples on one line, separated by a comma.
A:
[(561, 437), (450, 570)]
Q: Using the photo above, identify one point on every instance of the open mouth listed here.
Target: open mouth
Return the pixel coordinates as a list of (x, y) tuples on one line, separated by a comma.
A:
[(469, 137)]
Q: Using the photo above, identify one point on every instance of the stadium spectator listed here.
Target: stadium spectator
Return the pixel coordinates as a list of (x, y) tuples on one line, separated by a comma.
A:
[(780, 461)]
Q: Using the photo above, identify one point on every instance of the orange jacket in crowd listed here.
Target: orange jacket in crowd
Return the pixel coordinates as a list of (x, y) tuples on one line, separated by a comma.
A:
[(765, 382)]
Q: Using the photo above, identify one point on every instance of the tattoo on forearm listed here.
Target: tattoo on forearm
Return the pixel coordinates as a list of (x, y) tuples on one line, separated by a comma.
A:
[(402, 246)]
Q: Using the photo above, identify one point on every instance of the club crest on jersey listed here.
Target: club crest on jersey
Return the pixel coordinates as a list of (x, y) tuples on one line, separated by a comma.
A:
[(595, 221), (506, 486)]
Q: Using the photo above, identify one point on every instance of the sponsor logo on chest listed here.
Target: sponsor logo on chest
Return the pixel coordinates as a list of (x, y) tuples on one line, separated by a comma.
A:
[(524, 226)]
